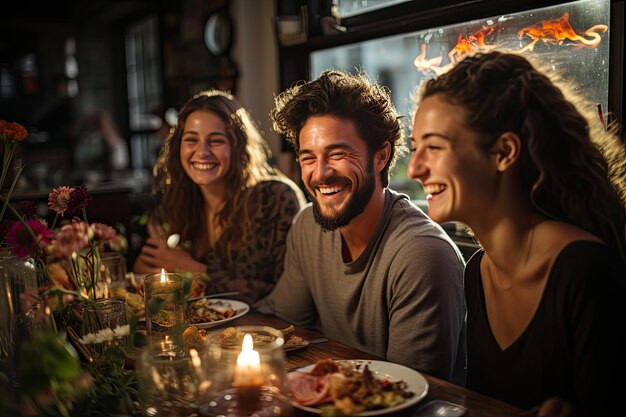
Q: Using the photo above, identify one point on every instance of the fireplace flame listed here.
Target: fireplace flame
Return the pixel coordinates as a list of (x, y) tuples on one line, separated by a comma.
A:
[(471, 44), (466, 45), (556, 31)]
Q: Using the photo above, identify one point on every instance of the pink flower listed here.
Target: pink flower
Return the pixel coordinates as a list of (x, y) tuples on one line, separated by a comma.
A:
[(59, 199), (109, 236), (73, 237), (103, 232), (21, 240)]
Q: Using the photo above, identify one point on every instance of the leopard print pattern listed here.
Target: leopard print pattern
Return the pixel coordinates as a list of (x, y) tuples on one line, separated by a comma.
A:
[(258, 262)]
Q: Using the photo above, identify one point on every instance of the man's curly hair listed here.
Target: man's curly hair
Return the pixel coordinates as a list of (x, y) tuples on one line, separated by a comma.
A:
[(347, 96)]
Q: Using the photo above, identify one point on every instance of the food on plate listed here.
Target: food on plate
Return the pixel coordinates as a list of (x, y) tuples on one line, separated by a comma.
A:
[(194, 337), (347, 387), (134, 301), (206, 311), (230, 337), (233, 337), (295, 342)]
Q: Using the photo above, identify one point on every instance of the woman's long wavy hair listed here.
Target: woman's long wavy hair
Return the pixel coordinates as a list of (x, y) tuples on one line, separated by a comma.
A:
[(181, 202), (573, 169)]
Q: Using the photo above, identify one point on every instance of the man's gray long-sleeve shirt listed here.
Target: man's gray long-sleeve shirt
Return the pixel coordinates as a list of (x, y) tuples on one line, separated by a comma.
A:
[(402, 299)]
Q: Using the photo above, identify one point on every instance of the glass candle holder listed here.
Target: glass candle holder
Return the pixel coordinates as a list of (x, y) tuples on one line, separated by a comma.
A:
[(246, 378), (104, 325), (104, 314), (17, 277), (169, 385), (165, 310)]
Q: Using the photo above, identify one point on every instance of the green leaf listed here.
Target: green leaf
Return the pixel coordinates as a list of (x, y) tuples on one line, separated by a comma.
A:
[(155, 305), (45, 358)]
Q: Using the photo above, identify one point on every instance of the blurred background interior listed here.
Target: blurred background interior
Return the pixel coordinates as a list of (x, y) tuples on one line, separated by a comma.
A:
[(97, 82)]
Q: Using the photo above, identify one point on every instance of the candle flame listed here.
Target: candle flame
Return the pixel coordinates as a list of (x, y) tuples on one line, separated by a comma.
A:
[(163, 277), (195, 358), (167, 345), (249, 358)]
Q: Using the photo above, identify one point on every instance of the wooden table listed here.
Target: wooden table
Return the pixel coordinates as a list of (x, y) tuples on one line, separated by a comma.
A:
[(477, 404)]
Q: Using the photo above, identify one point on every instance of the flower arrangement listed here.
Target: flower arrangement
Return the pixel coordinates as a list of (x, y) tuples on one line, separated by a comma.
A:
[(66, 255), (67, 258), (10, 134)]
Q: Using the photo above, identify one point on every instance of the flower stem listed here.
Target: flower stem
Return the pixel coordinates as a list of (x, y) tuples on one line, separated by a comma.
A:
[(10, 193), (9, 148), (95, 276), (19, 217), (54, 222)]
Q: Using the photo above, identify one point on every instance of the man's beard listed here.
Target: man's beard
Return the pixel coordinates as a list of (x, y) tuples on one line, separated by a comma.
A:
[(353, 207)]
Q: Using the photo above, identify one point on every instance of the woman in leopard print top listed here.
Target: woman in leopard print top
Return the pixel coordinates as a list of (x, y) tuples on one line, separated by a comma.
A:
[(216, 190)]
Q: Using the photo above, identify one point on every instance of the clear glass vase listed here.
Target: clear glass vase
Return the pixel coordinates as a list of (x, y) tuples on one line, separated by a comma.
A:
[(20, 313)]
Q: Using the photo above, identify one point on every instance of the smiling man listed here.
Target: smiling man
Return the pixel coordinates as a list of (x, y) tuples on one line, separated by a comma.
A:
[(363, 264)]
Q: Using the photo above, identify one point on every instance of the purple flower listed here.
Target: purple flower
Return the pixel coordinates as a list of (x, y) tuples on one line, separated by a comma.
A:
[(26, 208), (79, 197)]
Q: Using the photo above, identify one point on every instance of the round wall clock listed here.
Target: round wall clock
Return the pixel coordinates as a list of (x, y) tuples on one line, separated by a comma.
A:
[(218, 33)]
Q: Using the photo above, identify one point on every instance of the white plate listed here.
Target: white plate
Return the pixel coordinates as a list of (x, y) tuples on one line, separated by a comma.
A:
[(240, 308), (416, 383)]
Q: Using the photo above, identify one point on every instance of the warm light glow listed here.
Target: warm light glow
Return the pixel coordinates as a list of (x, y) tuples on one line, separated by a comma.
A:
[(167, 345), (195, 358), (248, 370), (556, 31), (163, 276), (249, 358)]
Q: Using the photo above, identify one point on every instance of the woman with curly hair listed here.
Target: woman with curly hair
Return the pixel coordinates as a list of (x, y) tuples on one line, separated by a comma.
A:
[(502, 147), (220, 197)]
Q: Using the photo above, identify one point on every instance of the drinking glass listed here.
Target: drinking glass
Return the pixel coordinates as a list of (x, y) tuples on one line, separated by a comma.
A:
[(165, 309), (22, 312), (17, 278), (112, 273)]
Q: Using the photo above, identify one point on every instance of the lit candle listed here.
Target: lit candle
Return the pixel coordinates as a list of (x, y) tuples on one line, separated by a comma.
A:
[(166, 283), (248, 370), (167, 345), (248, 377)]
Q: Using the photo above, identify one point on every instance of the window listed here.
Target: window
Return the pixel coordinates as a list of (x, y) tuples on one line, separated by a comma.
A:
[(349, 8), (143, 69), (572, 38)]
